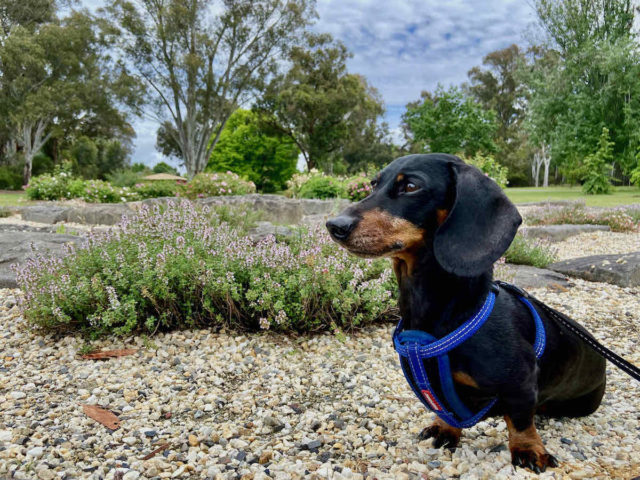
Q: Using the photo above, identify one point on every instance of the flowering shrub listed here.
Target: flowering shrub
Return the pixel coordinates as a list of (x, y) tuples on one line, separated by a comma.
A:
[(53, 186), (99, 191), (618, 219), (182, 266), (358, 187), (61, 185), (214, 184), (295, 183), (530, 251)]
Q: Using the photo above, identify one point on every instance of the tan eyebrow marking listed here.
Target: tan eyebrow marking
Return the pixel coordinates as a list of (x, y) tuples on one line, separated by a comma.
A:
[(400, 177)]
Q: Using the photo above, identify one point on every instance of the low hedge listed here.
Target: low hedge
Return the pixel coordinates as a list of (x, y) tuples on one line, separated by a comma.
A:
[(184, 266)]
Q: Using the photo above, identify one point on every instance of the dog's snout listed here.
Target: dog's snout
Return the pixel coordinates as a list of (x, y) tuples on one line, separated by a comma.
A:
[(340, 227)]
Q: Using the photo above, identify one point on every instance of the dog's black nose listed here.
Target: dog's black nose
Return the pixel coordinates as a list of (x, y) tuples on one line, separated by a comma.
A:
[(340, 227)]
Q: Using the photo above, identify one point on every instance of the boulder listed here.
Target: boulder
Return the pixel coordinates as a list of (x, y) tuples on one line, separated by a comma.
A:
[(263, 229), (557, 233), (532, 277), (619, 269), (99, 214), (18, 247), (45, 213)]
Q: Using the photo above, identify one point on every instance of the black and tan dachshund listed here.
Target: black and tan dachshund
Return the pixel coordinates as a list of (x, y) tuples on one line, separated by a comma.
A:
[(444, 223)]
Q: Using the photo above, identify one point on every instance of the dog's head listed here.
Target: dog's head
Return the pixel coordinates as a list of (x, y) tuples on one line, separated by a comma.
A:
[(434, 201)]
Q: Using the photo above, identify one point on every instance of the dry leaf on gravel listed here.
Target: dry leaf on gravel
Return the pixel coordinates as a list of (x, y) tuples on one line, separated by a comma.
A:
[(109, 354), (100, 415)]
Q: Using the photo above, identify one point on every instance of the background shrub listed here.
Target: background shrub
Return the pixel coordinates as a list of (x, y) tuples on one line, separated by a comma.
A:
[(157, 189), (490, 166), (54, 186), (214, 184), (322, 186), (530, 251), (183, 266), (10, 177)]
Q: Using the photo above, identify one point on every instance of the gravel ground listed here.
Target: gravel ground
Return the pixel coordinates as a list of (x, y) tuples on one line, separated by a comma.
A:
[(597, 243), (270, 406)]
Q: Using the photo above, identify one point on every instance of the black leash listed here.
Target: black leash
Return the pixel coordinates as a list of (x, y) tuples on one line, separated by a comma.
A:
[(580, 332)]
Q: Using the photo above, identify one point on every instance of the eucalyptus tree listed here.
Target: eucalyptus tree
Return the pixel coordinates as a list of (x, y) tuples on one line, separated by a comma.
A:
[(202, 59)]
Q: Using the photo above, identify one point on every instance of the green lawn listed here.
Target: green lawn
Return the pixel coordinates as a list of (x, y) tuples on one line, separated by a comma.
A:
[(620, 196), (10, 198)]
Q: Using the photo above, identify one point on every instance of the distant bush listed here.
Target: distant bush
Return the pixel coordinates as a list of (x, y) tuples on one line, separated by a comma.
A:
[(164, 167), (10, 177), (358, 187), (61, 185), (597, 165), (490, 166), (182, 266), (53, 186), (214, 184), (99, 191), (530, 251), (157, 188), (124, 177), (322, 186), (618, 219)]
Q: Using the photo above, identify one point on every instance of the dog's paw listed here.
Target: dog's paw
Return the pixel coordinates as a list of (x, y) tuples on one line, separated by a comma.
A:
[(443, 435), (533, 458)]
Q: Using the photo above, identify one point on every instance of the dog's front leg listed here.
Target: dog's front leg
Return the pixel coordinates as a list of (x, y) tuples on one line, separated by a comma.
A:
[(527, 449), (443, 434)]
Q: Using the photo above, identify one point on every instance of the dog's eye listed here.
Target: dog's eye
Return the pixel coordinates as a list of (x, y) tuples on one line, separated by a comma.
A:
[(410, 187)]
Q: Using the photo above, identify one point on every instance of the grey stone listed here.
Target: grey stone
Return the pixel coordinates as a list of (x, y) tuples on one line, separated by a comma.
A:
[(621, 270), (557, 233), (45, 214), (263, 229), (527, 276), (99, 214), (280, 209), (16, 248)]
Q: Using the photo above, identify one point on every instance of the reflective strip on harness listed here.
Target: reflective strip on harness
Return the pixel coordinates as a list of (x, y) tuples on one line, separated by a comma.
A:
[(416, 346)]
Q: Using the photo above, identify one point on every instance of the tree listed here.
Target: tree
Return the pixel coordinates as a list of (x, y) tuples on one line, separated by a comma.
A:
[(202, 59), (584, 79), (498, 87), (596, 177), (450, 122), (163, 167), (252, 150), (314, 102), (57, 78), (366, 145)]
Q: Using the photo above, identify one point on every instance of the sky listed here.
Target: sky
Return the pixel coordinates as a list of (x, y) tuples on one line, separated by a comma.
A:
[(404, 47)]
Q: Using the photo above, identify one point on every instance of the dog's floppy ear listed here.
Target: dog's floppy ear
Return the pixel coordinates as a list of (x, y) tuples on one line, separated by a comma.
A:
[(479, 227)]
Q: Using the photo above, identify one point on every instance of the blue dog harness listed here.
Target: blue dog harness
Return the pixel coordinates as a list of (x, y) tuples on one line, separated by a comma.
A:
[(419, 352)]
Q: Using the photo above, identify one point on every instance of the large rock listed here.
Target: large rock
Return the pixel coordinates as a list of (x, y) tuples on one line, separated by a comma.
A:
[(279, 209), (557, 233), (618, 269), (18, 247), (45, 214), (532, 277), (100, 214)]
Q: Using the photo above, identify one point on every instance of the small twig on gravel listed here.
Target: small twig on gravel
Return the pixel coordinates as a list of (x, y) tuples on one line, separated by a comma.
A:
[(162, 447)]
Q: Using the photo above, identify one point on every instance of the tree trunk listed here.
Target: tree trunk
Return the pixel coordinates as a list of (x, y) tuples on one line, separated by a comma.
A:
[(546, 158), (32, 139), (535, 168)]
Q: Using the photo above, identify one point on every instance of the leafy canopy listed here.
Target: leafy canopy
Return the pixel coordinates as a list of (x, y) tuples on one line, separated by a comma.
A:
[(252, 150), (450, 122)]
